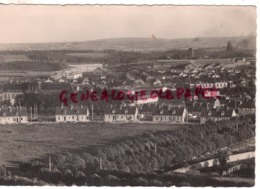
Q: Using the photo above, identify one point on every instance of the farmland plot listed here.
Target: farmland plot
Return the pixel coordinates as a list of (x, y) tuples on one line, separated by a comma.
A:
[(23, 143)]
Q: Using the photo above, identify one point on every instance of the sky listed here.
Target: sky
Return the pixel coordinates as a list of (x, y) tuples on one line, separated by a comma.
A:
[(43, 23)]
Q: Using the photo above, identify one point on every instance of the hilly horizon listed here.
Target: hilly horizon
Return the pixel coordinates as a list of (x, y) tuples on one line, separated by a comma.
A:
[(136, 44)]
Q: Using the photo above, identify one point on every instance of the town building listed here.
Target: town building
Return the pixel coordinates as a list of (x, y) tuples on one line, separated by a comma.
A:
[(72, 114), (168, 114), (212, 84), (194, 111), (39, 86), (247, 107), (145, 112), (242, 62), (217, 114), (72, 76), (120, 114), (98, 72), (11, 115), (11, 90), (56, 76)]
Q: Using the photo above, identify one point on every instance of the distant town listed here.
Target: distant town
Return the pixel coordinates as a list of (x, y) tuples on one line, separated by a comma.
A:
[(38, 99)]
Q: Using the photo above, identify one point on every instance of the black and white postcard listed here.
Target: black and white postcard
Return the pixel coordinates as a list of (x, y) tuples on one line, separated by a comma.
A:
[(116, 95)]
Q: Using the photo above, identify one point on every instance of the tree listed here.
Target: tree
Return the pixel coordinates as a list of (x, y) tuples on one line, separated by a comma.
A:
[(229, 48), (223, 157)]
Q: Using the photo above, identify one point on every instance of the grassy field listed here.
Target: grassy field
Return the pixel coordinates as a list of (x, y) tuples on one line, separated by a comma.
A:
[(23, 143), (13, 58), (88, 55)]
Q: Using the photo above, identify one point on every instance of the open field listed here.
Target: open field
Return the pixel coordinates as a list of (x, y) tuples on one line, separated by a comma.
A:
[(6, 75), (88, 55), (13, 58), (24, 143)]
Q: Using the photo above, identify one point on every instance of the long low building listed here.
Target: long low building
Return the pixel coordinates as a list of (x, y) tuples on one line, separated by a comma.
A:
[(247, 107), (217, 115), (120, 114), (168, 114), (72, 114), (146, 112), (11, 115)]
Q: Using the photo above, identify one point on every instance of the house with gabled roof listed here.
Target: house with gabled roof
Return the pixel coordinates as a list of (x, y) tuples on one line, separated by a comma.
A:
[(72, 114), (169, 114), (120, 114), (56, 75), (145, 112), (247, 107), (11, 90), (218, 114), (13, 115), (98, 71), (194, 111)]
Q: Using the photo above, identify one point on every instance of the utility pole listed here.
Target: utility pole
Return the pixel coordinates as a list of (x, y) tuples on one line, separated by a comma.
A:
[(50, 163), (100, 163), (92, 112), (31, 112), (36, 111)]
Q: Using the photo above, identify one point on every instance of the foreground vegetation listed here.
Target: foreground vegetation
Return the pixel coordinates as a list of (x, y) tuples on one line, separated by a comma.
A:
[(135, 161)]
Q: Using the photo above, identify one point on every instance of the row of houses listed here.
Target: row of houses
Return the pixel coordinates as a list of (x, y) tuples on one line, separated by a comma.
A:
[(199, 113), (164, 114), (161, 113)]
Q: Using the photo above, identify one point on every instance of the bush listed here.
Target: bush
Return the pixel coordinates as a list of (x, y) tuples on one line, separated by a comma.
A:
[(156, 182), (3, 171), (140, 181)]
